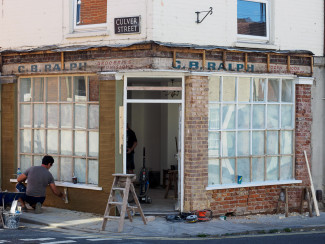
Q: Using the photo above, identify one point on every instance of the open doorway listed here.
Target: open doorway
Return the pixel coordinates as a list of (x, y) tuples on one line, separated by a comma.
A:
[(153, 112)]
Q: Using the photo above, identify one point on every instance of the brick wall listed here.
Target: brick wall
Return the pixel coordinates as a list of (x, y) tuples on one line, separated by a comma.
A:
[(93, 12), (196, 143)]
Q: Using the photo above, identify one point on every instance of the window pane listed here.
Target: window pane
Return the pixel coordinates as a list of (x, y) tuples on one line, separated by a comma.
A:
[(258, 169), (286, 168), (66, 116), (244, 91), (93, 88), (52, 89), (93, 144), (228, 171), (251, 18), (80, 170), (258, 117), (228, 116), (258, 89), (37, 160), (39, 115), (80, 116), (273, 90), (25, 162), (38, 89), (66, 89), (39, 141), (79, 88), (228, 144), (286, 117), (214, 117), (214, 172), (243, 169), (25, 90), (286, 142), (93, 116), (258, 143), (25, 120), (244, 116), (66, 142), (66, 169), (214, 144), (214, 89), (272, 168), (243, 143), (273, 116), (272, 141), (80, 143), (287, 93), (52, 141), (54, 168), (229, 89), (93, 172), (25, 140), (52, 116)]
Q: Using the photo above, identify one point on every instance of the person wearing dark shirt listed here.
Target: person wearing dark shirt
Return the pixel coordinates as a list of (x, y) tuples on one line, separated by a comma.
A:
[(39, 177), (131, 145)]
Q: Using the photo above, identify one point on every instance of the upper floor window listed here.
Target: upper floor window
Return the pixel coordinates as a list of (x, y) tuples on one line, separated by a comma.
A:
[(90, 14), (253, 19)]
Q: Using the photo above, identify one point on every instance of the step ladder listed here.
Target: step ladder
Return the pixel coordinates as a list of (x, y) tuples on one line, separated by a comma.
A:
[(118, 197), (305, 197)]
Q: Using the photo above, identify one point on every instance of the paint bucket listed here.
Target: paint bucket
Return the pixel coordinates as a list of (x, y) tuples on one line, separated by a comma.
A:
[(74, 180), (239, 179), (11, 220)]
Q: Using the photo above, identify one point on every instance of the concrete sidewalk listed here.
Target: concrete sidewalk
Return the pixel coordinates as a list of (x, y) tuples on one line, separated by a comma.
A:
[(91, 223)]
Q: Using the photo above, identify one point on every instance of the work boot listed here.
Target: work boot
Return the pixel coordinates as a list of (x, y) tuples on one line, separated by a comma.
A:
[(38, 208)]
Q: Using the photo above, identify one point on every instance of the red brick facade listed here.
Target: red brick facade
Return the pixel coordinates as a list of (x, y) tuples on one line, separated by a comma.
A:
[(93, 12)]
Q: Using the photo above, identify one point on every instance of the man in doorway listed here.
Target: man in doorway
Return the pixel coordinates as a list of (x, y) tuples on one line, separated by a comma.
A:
[(39, 177), (131, 142)]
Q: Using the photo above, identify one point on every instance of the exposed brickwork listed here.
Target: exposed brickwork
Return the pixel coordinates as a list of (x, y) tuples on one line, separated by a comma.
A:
[(196, 143), (93, 12)]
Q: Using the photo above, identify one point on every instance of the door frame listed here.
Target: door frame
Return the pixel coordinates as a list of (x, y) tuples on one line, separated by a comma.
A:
[(181, 102)]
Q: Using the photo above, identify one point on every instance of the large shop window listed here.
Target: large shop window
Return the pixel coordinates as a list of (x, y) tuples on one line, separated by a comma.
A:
[(251, 129), (253, 20), (59, 116)]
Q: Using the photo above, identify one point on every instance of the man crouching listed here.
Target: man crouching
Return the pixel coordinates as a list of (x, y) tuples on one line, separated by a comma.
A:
[(39, 177)]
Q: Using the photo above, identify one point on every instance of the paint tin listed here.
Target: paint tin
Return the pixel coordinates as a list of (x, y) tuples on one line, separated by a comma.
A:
[(222, 217), (239, 179), (74, 180)]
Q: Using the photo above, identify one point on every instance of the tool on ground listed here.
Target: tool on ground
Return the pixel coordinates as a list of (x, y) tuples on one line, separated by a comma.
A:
[(122, 183), (191, 219), (144, 181), (204, 215), (312, 186)]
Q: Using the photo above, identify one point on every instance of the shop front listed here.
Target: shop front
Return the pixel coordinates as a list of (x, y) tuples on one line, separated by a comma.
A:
[(213, 115)]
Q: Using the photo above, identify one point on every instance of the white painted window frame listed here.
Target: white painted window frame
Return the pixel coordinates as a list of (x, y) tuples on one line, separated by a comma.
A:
[(161, 74), (32, 128), (257, 39), (236, 102), (84, 28)]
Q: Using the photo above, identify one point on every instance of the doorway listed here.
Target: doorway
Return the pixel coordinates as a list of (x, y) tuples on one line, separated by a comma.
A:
[(154, 112)]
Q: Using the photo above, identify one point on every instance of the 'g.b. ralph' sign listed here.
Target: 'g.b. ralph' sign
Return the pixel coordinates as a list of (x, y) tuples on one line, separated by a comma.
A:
[(127, 25)]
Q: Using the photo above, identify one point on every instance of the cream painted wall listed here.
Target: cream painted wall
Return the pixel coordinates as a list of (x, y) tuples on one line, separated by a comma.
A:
[(295, 24)]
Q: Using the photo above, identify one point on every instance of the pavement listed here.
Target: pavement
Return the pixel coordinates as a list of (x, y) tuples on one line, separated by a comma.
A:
[(158, 226)]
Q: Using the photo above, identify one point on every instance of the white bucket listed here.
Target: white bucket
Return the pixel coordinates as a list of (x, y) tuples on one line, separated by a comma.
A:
[(11, 220)]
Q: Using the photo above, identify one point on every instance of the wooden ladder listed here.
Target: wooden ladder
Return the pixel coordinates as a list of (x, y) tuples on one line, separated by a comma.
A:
[(122, 183)]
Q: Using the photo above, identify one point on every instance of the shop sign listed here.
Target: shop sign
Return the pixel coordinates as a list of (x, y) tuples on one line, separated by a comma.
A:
[(127, 25)]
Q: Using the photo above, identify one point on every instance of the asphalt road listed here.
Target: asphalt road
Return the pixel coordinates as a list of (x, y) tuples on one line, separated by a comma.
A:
[(40, 234)]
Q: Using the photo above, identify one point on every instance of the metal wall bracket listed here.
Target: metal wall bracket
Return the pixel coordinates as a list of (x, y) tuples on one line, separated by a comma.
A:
[(198, 21)]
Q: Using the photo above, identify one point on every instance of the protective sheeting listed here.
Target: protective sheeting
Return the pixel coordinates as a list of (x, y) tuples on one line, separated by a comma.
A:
[(74, 48)]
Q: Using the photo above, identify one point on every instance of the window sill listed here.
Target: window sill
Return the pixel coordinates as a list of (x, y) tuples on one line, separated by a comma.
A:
[(79, 34), (71, 185), (253, 184), (256, 45)]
